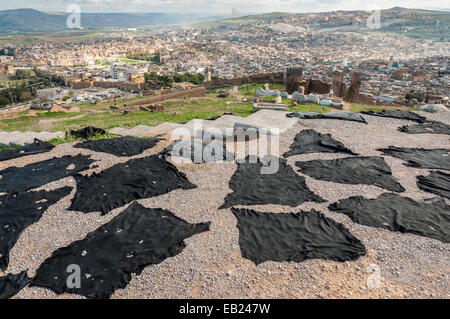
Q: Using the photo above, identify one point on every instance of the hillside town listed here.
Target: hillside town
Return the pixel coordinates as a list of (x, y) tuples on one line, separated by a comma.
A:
[(391, 69)]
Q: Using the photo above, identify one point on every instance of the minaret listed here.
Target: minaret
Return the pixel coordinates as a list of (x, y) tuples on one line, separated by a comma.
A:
[(207, 74), (391, 62)]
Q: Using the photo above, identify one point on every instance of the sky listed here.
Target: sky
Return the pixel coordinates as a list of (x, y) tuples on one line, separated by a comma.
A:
[(217, 6)]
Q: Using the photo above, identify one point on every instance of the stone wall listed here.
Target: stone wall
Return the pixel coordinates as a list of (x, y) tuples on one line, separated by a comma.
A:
[(316, 86), (353, 91), (292, 79), (337, 84), (258, 78), (120, 85), (106, 85), (13, 111), (81, 84)]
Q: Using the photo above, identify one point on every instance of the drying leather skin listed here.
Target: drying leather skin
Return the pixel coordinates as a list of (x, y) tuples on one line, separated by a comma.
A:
[(12, 284), (429, 127), (420, 158), (86, 132), (429, 218), (294, 237), (398, 114), (37, 147), (436, 183), (353, 170), (285, 187), (121, 146), (20, 210), (136, 238), (123, 183), (310, 141), (343, 116), (20, 179)]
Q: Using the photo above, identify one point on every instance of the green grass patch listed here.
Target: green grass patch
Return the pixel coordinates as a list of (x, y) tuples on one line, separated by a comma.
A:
[(8, 147), (180, 111), (131, 61), (175, 111), (311, 107), (30, 123), (70, 139)]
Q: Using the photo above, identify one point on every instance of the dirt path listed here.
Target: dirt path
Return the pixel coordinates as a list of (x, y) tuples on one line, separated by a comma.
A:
[(46, 124), (346, 106)]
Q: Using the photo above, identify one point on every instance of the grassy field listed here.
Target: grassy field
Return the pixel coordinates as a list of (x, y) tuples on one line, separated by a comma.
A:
[(176, 111), (33, 123), (99, 115), (250, 90), (131, 61)]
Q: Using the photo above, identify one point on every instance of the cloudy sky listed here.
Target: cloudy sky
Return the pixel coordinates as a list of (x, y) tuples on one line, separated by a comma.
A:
[(217, 6)]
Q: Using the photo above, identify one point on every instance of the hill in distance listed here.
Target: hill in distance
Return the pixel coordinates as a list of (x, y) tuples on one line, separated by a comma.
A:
[(415, 23), (30, 20)]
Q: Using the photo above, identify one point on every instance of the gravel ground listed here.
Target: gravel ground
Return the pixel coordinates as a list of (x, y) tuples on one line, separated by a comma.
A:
[(211, 265)]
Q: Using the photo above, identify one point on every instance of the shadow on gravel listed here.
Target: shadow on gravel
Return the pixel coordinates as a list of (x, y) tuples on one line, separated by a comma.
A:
[(123, 183), (108, 256), (428, 218), (251, 187), (353, 170), (310, 141), (294, 237), (20, 179)]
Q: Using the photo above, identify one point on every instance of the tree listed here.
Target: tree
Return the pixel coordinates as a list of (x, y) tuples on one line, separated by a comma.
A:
[(167, 80), (24, 96), (245, 80), (4, 101)]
